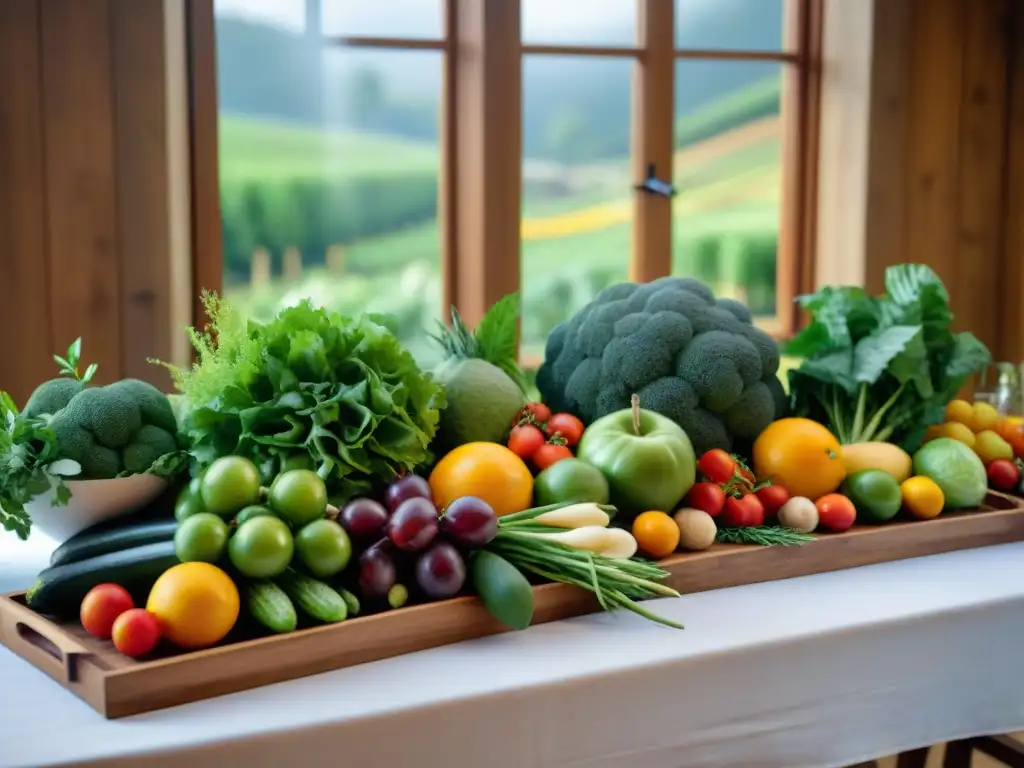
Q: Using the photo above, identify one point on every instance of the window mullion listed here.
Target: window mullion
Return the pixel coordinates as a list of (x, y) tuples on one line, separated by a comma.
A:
[(487, 114), (652, 138)]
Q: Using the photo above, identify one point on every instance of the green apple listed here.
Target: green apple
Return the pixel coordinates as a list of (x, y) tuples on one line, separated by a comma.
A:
[(647, 459)]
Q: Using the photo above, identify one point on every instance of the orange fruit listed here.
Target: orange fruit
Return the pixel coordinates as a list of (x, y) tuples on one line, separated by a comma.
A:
[(488, 471), (197, 604), (922, 497), (656, 533), (800, 455)]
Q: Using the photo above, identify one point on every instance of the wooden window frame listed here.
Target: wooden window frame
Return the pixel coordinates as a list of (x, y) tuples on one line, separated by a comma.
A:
[(479, 201)]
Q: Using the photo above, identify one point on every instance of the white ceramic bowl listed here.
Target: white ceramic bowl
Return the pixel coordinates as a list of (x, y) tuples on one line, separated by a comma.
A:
[(92, 502)]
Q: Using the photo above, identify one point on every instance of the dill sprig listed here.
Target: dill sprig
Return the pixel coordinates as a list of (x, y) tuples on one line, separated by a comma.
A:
[(763, 536)]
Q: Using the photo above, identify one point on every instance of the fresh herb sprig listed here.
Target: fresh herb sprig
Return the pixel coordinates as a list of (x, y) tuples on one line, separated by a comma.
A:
[(29, 466), (763, 536), (69, 365), (616, 582)]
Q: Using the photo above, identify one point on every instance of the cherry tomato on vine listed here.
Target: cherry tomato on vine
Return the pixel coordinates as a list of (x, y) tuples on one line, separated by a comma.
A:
[(550, 453), (707, 497), (717, 466), (772, 497), (566, 425), (740, 511), (537, 412), (524, 440)]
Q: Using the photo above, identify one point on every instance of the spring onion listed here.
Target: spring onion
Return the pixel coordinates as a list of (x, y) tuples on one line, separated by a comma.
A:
[(562, 515), (617, 582), (610, 542)]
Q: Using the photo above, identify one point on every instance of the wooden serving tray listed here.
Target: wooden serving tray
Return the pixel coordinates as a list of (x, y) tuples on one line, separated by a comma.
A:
[(116, 686)]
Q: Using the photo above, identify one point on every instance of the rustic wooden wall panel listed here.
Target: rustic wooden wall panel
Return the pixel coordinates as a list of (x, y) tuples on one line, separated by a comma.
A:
[(1011, 267), (24, 294), (81, 179), (89, 188)]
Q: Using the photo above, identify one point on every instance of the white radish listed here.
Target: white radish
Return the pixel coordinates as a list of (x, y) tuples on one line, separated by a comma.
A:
[(574, 516), (800, 514), (610, 542)]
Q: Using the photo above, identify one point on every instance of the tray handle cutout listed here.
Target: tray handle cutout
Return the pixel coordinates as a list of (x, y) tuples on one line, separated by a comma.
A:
[(49, 647)]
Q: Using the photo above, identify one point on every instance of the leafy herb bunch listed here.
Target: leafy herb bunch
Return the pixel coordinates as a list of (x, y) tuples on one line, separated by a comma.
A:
[(882, 367), (30, 463)]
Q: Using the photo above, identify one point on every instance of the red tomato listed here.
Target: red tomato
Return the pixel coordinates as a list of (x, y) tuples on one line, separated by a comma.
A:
[(566, 425), (772, 497), (717, 466), (549, 454), (524, 440), (742, 511), (101, 606), (136, 632), (836, 513), (1003, 475), (538, 412), (707, 497)]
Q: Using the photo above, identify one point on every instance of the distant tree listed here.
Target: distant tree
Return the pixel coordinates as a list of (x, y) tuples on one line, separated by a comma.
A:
[(569, 137), (366, 96)]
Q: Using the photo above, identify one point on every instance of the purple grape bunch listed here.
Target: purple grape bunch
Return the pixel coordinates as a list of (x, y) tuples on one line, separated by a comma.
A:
[(408, 524)]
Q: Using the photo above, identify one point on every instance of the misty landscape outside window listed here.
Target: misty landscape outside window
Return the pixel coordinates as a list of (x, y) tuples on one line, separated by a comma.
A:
[(329, 157)]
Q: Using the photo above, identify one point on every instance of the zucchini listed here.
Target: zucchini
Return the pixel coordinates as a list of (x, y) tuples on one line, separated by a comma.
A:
[(314, 598), (270, 606), (503, 589), (93, 542), (58, 591)]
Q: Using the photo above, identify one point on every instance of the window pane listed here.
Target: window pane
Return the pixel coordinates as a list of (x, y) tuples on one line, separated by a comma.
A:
[(729, 24), (328, 172), (577, 195), (383, 18), (725, 225), (579, 22)]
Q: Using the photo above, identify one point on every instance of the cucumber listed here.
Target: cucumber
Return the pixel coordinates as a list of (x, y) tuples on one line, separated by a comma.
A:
[(314, 598), (503, 589), (270, 606), (351, 602), (58, 591), (93, 542)]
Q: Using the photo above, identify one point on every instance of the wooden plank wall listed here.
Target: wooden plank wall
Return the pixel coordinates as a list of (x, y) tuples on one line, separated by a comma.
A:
[(938, 177), (85, 200)]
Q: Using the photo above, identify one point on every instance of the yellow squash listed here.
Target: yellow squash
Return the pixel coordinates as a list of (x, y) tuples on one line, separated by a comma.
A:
[(887, 457)]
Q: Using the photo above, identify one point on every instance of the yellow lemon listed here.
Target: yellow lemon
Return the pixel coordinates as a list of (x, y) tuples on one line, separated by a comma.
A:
[(958, 431), (197, 604), (990, 446), (922, 497), (985, 416), (961, 412)]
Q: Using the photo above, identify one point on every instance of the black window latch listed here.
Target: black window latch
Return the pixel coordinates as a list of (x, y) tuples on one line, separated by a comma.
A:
[(652, 185)]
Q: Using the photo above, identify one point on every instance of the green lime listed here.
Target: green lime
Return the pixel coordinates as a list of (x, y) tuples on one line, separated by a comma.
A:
[(201, 538), (875, 494), (189, 502), (255, 510), (323, 547), (231, 483), (298, 497), (261, 547), (570, 480)]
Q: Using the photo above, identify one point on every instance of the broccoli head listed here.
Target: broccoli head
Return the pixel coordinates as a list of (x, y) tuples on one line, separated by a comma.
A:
[(689, 356), (50, 396), (118, 429)]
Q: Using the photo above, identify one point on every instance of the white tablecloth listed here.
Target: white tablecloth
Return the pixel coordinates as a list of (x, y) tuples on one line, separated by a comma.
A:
[(819, 671)]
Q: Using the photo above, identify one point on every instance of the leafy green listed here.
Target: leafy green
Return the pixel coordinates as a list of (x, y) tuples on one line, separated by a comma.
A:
[(69, 365), (339, 393), (495, 340), (30, 466), (882, 368)]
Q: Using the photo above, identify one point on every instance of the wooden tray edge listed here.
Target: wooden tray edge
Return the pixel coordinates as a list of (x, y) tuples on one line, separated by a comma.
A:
[(146, 686)]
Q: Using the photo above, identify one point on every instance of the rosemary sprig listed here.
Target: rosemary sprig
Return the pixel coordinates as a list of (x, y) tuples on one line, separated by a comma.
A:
[(763, 536)]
